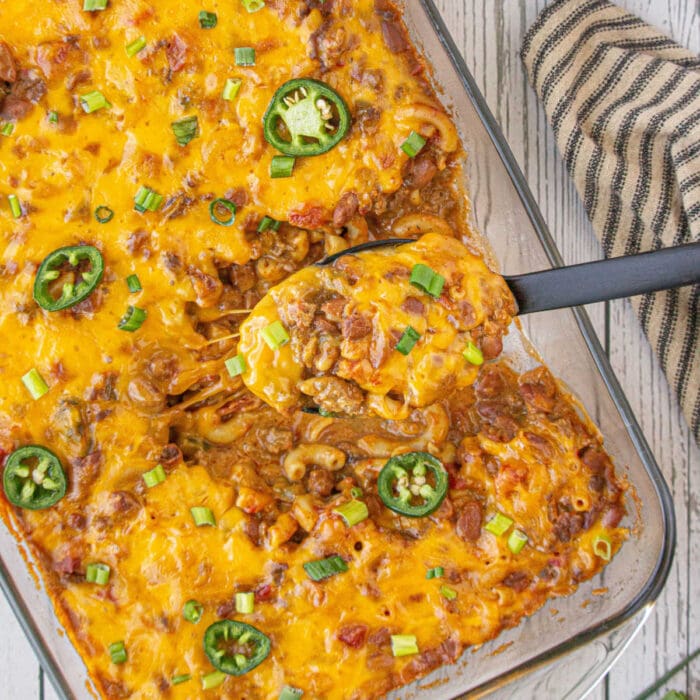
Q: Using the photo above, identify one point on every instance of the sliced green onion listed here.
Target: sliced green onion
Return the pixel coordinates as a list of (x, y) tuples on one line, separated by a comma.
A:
[(281, 166), (447, 592), (516, 541), (352, 512), (427, 279), (147, 200), (437, 572), (227, 206), (202, 516), (413, 145), (35, 384), (408, 340), (7, 129), (94, 5), (103, 214), (117, 651), (498, 524), (133, 319), (289, 693), (15, 207), (192, 611), (602, 547), (356, 492), (185, 129), (253, 5), (53, 116), (268, 222), (97, 573), (403, 644), (213, 680), (235, 365), (207, 20), (245, 602), (182, 678), (133, 47), (275, 335), (92, 101), (325, 568), (154, 476), (231, 88), (473, 354), (244, 55), (133, 283)]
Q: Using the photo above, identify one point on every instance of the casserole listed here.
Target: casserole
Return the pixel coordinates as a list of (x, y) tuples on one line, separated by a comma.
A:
[(566, 352)]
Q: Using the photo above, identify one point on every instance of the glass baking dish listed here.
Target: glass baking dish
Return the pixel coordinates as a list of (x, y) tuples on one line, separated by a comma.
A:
[(593, 628)]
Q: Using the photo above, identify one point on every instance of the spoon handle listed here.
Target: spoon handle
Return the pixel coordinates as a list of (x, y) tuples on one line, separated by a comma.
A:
[(613, 278)]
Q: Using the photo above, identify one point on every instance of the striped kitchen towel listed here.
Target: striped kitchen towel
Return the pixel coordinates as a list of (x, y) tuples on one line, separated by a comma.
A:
[(624, 103)]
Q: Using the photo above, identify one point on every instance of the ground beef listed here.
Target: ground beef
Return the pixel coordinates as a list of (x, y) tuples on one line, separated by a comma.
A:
[(321, 482), (338, 395), (469, 521), (356, 326)]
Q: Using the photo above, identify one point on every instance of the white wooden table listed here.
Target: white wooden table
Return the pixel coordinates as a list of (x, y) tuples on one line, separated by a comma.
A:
[(489, 33)]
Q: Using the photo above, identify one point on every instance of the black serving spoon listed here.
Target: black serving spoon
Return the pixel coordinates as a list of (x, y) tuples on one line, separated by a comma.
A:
[(601, 280)]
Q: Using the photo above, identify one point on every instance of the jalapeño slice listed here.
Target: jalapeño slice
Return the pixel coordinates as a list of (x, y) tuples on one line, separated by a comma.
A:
[(413, 484), (306, 118), (234, 647), (34, 478), (67, 276)]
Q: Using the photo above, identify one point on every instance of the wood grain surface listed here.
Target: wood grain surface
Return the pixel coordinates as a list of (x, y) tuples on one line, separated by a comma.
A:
[(489, 34)]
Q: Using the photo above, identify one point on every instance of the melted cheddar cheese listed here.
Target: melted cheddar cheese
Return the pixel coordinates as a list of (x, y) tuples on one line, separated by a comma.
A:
[(119, 403)]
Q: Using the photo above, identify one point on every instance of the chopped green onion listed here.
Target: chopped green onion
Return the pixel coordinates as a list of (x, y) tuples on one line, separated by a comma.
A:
[(185, 129), (15, 207), (245, 602), (235, 365), (275, 335), (498, 524), (133, 319), (437, 572), (602, 547), (427, 279), (103, 214), (281, 166), (447, 592), (516, 541), (326, 414), (202, 516), (192, 611), (35, 384), (53, 116), (231, 88), (408, 340), (356, 492), (133, 283), (473, 354), (207, 20), (94, 5), (133, 47), (289, 693), (325, 568), (227, 206), (117, 651), (154, 476), (352, 512), (253, 5), (7, 129), (403, 644), (413, 145), (92, 101), (268, 222), (182, 678), (244, 55), (97, 573), (213, 680), (147, 200)]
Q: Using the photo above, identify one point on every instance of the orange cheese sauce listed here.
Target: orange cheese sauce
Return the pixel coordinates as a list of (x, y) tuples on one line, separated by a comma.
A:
[(121, 403)]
